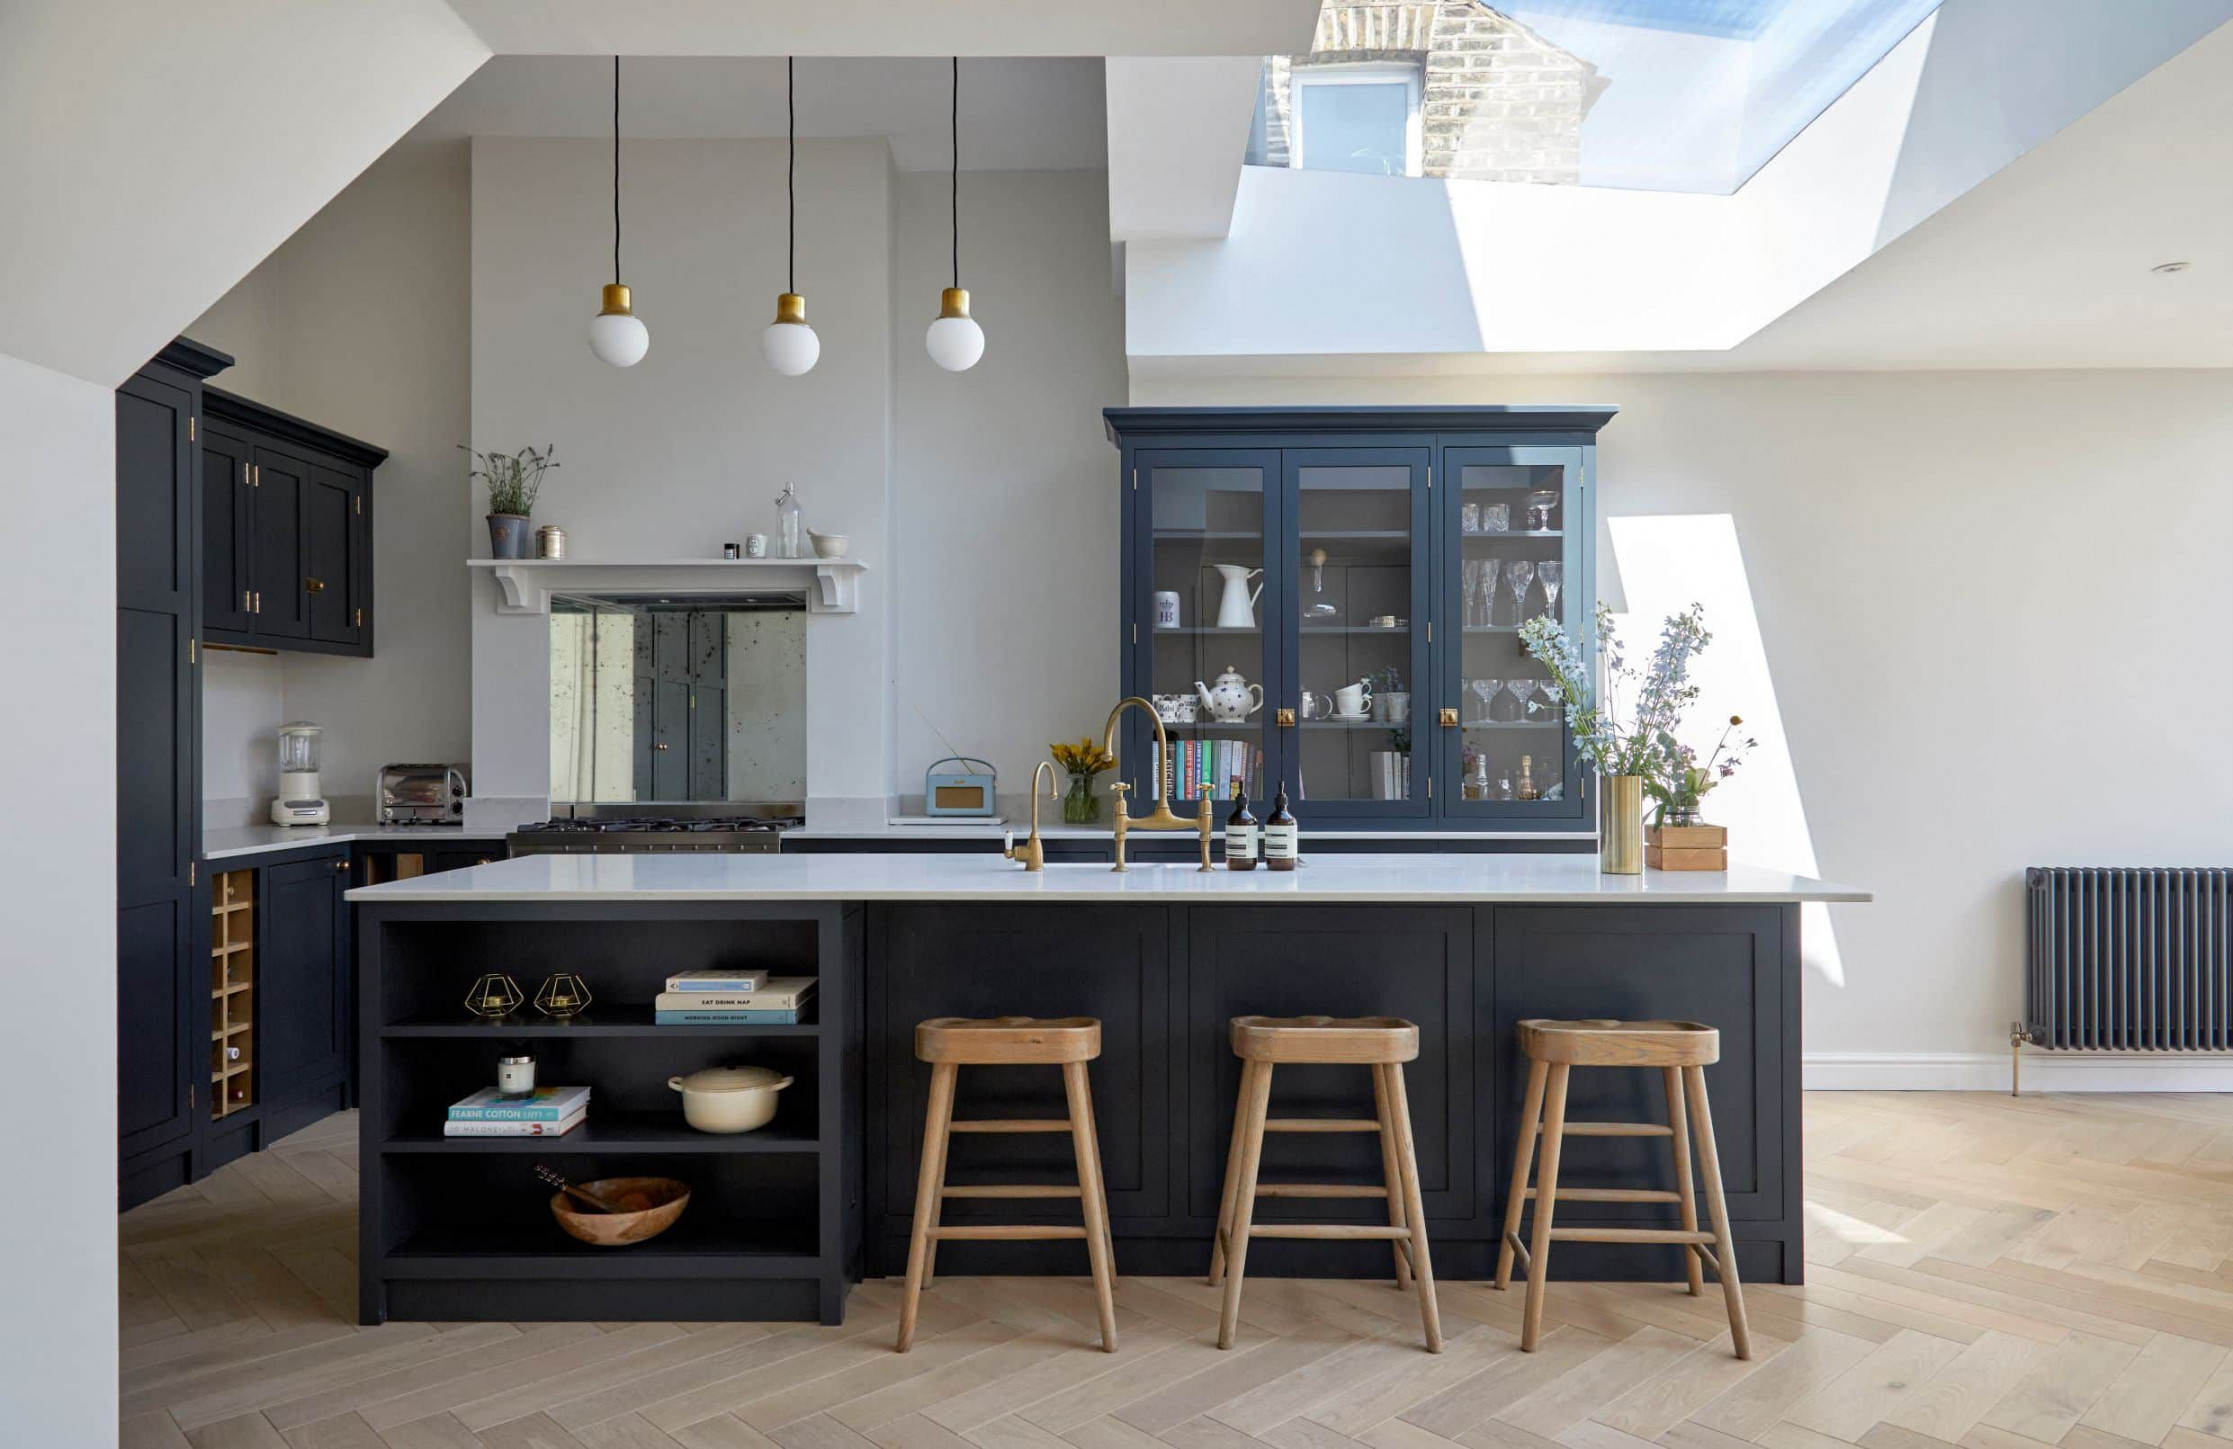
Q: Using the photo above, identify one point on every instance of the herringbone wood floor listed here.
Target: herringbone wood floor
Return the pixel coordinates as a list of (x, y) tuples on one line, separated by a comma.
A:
[(1988, 1273)]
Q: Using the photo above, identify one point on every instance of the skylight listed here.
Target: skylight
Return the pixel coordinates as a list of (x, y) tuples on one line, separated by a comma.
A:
[(1656, 95)]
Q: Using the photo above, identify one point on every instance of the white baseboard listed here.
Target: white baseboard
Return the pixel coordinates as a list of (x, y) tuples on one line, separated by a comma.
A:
[(2043, 1071)]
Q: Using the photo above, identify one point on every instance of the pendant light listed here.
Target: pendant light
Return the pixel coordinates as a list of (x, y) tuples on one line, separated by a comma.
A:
[(789, 345), (614, 333), (955, 341)]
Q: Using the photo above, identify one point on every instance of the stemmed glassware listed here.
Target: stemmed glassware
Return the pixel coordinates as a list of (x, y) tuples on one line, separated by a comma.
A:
[(1485, 690), (1520, 689), (1471, 573), (1550, 574), (1489, 568), (1539, 506), (1518, 574)]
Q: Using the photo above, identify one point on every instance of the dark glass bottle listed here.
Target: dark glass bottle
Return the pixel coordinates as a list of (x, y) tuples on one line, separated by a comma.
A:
[(1240, 832), (1282, 837)]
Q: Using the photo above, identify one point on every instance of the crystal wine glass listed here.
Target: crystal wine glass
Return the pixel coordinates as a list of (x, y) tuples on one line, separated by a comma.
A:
[(1485, 690), (1518, 574), (1539, 506), (1520, 689), (1472, 577), (1551, 575), (1489, 567)]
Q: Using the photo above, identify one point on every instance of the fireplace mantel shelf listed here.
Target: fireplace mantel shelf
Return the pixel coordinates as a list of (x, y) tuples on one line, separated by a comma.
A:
[(526, 585)]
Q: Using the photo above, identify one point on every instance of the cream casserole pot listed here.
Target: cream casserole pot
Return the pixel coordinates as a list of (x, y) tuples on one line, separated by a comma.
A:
[(729, 1099)]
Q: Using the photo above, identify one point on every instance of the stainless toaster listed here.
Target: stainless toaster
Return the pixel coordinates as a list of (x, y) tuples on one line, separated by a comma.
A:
[(421, 795)]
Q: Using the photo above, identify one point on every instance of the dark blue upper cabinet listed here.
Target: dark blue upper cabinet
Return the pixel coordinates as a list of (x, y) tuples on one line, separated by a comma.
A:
[(1329, 599)]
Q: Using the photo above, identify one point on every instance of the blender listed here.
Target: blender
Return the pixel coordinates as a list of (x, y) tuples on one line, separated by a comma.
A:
[(299, 802)]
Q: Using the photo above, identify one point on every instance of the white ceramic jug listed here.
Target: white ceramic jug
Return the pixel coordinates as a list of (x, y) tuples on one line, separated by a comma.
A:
[(1237, 609)]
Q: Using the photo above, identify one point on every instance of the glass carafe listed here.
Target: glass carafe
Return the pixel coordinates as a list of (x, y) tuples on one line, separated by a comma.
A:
[(788, 538)]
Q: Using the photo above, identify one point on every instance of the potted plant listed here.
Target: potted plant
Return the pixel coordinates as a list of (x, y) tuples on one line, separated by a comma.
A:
[(1678, 839), (1082, 761), (1629, 740), (513, 480)]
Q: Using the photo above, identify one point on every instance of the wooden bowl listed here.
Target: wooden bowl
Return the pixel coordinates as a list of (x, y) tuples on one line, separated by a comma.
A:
[(662, 1200)]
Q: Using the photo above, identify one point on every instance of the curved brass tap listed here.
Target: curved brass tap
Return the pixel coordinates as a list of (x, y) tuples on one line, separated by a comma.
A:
[(1033, 852), (1161, 817)]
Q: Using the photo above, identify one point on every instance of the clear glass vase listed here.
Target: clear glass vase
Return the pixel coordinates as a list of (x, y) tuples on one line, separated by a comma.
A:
[(1080, 806)]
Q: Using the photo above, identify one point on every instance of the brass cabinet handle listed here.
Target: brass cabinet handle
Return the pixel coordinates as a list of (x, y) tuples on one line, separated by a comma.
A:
[(313, 586), (1449, 719), (659, 747), (1285, 719)]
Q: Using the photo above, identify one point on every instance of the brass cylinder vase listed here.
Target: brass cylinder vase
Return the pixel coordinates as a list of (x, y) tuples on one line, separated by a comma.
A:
[(1620, 824)]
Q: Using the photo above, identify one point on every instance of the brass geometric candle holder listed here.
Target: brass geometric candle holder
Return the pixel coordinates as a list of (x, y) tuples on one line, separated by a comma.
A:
[(562, 995), (494, 996)]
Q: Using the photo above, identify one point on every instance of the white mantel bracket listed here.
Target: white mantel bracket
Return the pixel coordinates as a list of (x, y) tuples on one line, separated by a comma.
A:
[(525, 585)]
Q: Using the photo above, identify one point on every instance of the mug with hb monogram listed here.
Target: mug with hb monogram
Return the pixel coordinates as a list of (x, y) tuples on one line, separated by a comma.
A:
[(1166, 610)]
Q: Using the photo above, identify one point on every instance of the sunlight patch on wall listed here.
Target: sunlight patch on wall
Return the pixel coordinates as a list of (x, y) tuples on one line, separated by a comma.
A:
[(1665, 564)]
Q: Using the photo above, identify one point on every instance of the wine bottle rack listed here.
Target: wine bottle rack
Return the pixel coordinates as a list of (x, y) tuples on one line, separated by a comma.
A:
[(232, 993)]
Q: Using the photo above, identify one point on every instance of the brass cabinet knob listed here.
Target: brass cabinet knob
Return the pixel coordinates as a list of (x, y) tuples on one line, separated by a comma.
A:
[(1286, 719), (1449, 719), (314, 586)]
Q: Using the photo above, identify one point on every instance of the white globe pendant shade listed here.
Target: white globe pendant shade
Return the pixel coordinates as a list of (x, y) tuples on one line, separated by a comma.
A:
[(789, 345), (955, 341), (614, 334)]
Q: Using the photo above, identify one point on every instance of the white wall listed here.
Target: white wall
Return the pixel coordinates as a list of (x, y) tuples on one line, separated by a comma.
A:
[(360, 322), (688, 449), (58, 1346), (244, 702), (1988, 601), (1006, 482)]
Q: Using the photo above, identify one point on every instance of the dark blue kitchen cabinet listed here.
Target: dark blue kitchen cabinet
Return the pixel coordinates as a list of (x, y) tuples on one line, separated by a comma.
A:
[(1357, 576), (286, 551)]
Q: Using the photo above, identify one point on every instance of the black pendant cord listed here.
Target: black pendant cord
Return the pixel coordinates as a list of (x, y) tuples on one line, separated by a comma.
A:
[(956, 120), (791, 175), (616, 170)]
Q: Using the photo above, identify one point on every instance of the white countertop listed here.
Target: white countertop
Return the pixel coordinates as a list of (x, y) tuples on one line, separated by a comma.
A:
[(256, 839), (974, 877)]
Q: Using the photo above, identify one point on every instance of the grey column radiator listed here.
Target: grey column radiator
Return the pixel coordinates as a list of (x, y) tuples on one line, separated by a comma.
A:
[(2127, 959)]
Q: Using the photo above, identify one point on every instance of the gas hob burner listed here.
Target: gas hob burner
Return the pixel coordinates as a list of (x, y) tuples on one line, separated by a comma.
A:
[(653, 833)]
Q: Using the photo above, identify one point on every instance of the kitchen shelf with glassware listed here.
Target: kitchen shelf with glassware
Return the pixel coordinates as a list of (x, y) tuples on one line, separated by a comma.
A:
[(1364, 573)]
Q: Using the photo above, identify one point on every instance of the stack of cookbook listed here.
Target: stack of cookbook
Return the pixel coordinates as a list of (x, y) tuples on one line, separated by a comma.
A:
[(742, 997), (541, 1112)]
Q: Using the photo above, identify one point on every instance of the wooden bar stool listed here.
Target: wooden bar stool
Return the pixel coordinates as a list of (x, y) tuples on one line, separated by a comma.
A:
[(950, 1043), (1681, 1050), (1384, 1044)]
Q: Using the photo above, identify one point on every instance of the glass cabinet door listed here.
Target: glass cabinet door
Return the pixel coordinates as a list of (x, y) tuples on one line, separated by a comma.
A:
[(1208, 602), (1510, 557), (1355, 649)]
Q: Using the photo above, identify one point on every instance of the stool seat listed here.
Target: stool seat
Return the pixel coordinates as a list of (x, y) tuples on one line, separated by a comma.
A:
[(1342, 1040), (949, 1043), (1008, 1040), (1607, 1043), (1680, 1051)]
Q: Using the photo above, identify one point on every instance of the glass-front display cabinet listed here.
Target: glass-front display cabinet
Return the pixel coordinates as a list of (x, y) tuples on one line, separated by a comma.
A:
[(1330, 600)]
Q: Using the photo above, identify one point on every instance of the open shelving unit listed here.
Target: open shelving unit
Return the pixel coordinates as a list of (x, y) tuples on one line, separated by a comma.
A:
[(460, 1228), (232, 993)]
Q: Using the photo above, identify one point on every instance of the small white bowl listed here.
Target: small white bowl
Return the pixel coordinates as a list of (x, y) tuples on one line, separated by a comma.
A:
[(830, 545)]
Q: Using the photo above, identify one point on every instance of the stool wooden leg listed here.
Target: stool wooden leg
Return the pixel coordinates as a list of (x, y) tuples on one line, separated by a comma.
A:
[(1232, 1185), (1546, 1204), (1088, 1151), (1717, 1210), (928, 1184), (1415, 1211), (1256, 1107), (1683, 1188), (1101, 1183), (938, 1201), (1391, 1174), (1523, 1157)]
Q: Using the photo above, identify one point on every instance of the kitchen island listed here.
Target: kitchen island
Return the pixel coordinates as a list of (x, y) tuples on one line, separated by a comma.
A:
[(783, 1219)]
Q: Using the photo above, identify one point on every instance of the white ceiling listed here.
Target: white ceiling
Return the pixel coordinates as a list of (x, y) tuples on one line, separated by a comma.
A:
[(881, 27), (1033, 113)]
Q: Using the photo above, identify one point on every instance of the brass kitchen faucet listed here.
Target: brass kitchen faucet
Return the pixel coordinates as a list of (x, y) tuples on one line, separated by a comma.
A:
[(1161, 818)]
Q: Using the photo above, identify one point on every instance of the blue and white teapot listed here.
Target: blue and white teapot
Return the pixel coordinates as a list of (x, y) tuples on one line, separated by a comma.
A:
[(1232, 699)]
